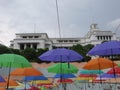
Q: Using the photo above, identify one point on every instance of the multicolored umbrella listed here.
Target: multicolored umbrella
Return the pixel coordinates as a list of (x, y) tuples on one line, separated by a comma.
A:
[(62, 68), (91, 72), (64, 76), (26, 72), (60, 55), (98, 64), (13, 60), (88, 75), (106, 48)]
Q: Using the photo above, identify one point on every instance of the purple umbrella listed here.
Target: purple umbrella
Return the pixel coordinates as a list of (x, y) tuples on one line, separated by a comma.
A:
[(60, 55), (106, 48)]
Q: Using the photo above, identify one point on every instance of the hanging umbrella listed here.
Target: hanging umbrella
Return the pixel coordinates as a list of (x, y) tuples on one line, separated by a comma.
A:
[(64, 76), (13, 60), (60, 55), (107, 76), (91, 72), (106, 48), (2, 79), (65, 81), (88, 75), (56, 68), (11, 83), (99, 63), (115, 70), (30, 78), (30, 71)]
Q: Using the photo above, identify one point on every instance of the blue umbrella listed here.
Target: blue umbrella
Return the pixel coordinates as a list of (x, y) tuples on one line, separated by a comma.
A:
[(60, 55), (2, 79), (91, 72), (105, 75), (64, 76), (106, 48), (30, 78)]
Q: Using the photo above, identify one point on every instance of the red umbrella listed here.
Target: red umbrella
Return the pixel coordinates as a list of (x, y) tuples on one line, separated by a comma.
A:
[(115, 70), (34, 88), (88, 75), (65, 81)]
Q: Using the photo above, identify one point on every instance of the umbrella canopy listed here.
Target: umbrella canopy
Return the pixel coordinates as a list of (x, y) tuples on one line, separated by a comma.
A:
[(106, 48), (2, 79), (91, 72), (115, 70), (65, 81), (62, 68), (99, 63), (11, 83), (30, 78), (88, 75), (26, 72), (42, 82), (13, 60), (105, 75), (60, 55), (64, 76)]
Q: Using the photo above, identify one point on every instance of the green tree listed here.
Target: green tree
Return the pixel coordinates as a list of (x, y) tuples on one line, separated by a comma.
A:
[(30, 54), (4, 49)]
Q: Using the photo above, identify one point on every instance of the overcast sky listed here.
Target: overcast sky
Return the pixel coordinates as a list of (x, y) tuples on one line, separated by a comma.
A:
[(28, 16)]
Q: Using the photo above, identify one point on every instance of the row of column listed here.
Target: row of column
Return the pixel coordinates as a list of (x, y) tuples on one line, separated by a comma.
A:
[(104, 37), (30, 45)]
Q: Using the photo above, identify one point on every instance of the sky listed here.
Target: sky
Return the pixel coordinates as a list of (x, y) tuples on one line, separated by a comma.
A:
[(39, 16)]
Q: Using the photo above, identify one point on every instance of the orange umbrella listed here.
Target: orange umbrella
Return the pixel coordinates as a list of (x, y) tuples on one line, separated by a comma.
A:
[(11, 83), (26, 72), (99, 63)]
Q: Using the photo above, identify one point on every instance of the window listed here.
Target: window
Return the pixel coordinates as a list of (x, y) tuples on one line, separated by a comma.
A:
[(24, 37), (35, 46), (30, 36), (21, 46), (36, 36)]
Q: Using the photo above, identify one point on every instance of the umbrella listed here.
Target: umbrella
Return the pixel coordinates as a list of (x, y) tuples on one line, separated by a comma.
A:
[(11, 83), (64, 76), (60, 55), (2, 79), (106, 48), (115, 70), (65, 81), (56, 68), (91, 72), (99, 63), (13, 60), (30, 71), (105, 75), (30, 78), (88, 75)]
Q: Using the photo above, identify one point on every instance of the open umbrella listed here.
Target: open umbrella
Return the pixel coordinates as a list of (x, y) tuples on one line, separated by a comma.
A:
[(30, 71), (56, 68), (64, 76), (91, 71), (60, 55), (115, 70), (13, 60), (98, 64), (106, 48), (30, 78)]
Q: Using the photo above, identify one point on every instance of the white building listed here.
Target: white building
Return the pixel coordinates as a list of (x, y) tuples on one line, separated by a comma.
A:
[(41, 40)]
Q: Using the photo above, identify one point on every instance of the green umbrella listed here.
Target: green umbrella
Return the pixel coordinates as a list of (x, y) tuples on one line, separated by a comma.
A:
[(62, 68), (13, 60), (91, 72)]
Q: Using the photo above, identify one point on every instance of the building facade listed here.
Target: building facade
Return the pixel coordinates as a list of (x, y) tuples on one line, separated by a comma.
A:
[(41, 40)]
